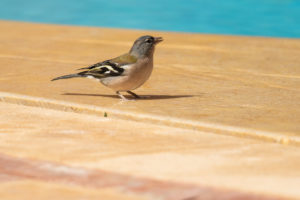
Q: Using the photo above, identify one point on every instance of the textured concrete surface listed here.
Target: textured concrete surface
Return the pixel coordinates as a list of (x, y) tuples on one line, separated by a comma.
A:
[(203, 81), (175, 144), (137, 158)]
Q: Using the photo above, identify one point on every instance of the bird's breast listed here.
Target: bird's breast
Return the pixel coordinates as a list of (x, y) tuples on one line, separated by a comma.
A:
[(133, 76)]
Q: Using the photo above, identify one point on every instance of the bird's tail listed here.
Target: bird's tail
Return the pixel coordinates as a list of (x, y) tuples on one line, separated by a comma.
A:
[(67, 76)]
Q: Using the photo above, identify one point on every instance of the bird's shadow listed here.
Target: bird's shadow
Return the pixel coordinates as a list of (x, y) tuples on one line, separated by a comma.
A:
[(143, 97)]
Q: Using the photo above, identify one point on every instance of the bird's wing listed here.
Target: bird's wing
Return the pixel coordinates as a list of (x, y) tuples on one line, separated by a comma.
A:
[(112, 67), (124, 59)]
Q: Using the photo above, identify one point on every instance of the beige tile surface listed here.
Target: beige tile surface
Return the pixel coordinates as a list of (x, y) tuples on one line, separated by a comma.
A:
[(28, 189), (204, 80), (137, 149)]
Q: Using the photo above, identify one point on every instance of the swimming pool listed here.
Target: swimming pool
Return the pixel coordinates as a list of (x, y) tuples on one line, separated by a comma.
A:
[(275, 18)]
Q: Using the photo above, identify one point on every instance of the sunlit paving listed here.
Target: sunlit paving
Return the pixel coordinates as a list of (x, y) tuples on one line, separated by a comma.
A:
[(166, 100)]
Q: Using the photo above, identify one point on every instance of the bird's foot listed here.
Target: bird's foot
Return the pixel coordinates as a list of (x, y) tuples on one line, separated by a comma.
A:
[(123, 98), (133, 94)]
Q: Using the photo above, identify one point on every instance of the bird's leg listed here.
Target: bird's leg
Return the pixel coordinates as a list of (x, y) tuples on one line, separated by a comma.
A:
[(121, 96), (133, 94)]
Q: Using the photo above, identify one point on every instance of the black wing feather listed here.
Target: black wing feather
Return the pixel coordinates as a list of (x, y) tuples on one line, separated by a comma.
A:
[(102, 70)]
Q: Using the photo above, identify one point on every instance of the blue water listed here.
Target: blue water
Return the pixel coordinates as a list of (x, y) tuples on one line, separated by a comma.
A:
[(275, 18)]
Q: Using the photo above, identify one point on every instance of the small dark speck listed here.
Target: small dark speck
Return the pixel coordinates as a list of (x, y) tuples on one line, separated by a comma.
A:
[(105, 114)]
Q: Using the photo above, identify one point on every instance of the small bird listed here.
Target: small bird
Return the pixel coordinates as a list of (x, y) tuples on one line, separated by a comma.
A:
[(126, 72)]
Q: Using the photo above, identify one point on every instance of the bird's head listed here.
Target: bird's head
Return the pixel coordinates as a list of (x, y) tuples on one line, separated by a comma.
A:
[(144, 46)]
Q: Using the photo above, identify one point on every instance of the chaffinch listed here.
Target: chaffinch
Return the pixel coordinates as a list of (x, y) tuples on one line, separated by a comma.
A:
[(126, 72)]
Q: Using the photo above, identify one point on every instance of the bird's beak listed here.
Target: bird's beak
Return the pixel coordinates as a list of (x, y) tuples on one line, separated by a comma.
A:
[(158, 40)]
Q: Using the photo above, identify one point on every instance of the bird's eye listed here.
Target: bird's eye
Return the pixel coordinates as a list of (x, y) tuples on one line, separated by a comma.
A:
[(148, 40)]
